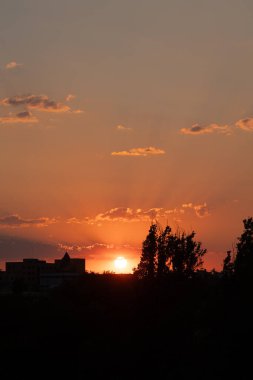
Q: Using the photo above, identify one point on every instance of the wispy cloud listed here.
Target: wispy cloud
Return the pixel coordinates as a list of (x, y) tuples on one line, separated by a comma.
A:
[(38, 102), (245, 124), (21, 117), (15, 221), (78, 248), (126, 214), (134, 152), (74, 220), (122, 128), (77, 111), (201, 210), (103, 250), (197, 129), (12, 65), (121, 214), (70, 248), (70, 97), (129, 215)]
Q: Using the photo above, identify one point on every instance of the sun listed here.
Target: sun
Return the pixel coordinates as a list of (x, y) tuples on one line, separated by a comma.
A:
[(120, 263)]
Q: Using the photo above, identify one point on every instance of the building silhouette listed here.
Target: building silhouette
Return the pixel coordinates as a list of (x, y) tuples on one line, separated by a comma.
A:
[(35, 274)]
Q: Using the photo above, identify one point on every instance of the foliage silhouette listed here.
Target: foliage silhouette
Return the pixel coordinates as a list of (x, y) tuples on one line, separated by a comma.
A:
[(243, 264), (147, 266), (187, 255), (228, 265), (164, 252)]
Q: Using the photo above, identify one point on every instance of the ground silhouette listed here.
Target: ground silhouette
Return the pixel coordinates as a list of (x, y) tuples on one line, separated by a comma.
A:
[(120, 327)]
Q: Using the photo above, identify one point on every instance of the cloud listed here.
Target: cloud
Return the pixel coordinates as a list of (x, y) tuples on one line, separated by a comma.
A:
[(130, 215), (15, 221), (12, 65), (21, 117), (77, 111), (121, 127), (78, 248), (105, 252), (70, 248), (149, 151), (120, 214), (245, 124), (201, 210), (70, 97), (37, 102), (126, 214), (74, 220), (175, 210), (197, 129), (15, 248)]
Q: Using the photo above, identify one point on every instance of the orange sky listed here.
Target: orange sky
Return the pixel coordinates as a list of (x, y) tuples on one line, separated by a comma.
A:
[(117, 113)]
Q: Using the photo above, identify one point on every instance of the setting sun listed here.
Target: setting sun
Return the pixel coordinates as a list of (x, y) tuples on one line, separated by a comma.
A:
[(120, 263)]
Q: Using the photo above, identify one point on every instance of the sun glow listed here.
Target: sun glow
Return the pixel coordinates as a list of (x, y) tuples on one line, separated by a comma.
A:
[(120, 263)]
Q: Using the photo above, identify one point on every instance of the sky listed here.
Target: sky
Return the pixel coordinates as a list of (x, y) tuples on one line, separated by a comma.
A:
[(117, 113)]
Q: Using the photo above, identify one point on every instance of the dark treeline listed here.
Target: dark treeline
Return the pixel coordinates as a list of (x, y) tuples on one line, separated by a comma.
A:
[(167, 321), (165, 253)]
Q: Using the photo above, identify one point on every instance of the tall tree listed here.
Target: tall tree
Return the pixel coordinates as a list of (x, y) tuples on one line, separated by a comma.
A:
[(147, 266), (228, 265), (163, 253), (187, 255), (193, 253), (244, 257)]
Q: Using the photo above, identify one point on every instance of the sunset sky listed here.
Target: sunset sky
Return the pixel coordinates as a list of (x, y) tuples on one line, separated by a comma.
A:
[(114, 113)]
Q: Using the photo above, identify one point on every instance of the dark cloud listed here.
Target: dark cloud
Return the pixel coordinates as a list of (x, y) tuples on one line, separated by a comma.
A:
[(197, 129), (15, 248), (38, 102), (15, 221), (24, 114), (20, 118)]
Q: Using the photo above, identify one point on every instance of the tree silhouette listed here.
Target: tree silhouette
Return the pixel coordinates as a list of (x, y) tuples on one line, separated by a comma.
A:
[(228, 265), (163, 252), (186, 254), (147, 266), (244, 257)]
